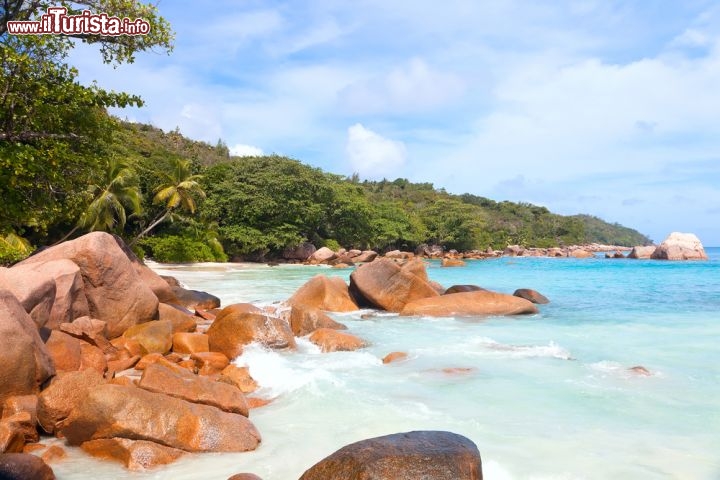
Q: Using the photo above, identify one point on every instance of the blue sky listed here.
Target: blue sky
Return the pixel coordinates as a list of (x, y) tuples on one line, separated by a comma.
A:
[(603, 107)]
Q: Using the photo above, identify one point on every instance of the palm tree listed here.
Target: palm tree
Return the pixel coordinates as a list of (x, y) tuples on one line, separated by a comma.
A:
[(118, 192), (112, 196), (177, 192)]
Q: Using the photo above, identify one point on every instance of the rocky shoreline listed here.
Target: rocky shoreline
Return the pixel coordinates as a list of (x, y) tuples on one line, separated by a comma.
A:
[(677, 246), (131, 367)]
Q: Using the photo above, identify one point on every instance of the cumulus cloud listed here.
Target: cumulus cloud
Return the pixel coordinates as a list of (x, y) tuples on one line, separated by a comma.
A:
[(241, 150), (372, 155), (410, 87)]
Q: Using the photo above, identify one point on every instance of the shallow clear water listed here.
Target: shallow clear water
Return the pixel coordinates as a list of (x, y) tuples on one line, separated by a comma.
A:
[(544, 397)]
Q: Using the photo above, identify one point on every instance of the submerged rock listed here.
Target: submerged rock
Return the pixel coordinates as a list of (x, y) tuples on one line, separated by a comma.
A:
[(306, 320), (394, 357), (430, 455), (330, 340), (680, 246)]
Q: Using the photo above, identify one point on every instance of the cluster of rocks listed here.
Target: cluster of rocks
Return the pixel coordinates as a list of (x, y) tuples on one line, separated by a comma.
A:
[(405, 289), (678, 246), (132, 367), (107, 356)]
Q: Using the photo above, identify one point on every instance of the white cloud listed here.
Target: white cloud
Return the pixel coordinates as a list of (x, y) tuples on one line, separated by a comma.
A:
[(241, 150), (372, 155), (411, 87), (691, 38)]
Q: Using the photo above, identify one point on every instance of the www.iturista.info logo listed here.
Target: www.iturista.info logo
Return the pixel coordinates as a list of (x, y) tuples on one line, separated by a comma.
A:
[(57, 22)]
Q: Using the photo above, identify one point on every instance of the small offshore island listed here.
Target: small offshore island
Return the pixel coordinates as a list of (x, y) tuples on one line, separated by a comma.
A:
[(134, 368)]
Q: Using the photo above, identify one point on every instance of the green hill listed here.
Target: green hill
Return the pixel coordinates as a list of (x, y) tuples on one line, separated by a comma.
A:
[(254, 207)]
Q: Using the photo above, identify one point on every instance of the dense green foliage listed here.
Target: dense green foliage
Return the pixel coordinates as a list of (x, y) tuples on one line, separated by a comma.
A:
[(55, 134), (181, 249)]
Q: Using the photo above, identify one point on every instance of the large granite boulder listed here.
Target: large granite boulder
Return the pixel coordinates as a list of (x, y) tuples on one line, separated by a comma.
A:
[(193, 388), (680, 246), (162, 290), (111, 411), (70, 301), (427, 455), (324, 293), (383, 284), (35, 291), (470, 304), (27, 363), (228, 333), (115, 292)]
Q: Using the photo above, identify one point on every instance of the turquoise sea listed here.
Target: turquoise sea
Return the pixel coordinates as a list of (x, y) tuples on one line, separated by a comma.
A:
[(547, 396)]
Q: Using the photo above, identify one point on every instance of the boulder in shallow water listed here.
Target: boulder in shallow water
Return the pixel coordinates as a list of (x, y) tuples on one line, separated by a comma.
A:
[(383, 284), (430, 455), (476, 303), (680, 246), (452, 262), (324, 293), (111, 411), (532, 295), (306, 320), (330, 340), (642, 252), (228, 333), (580, 253)]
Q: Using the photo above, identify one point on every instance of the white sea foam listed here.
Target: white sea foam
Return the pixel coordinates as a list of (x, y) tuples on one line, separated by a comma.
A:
[(279, 373), (551, 350)]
